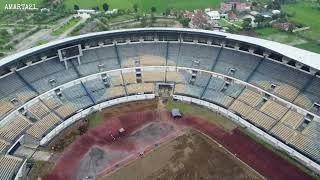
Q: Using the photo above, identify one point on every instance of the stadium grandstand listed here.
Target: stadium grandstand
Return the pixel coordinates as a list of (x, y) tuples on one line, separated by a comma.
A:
[(268, 87)]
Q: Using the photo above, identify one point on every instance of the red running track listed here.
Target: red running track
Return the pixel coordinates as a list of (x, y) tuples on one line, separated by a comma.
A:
[(255, 155)]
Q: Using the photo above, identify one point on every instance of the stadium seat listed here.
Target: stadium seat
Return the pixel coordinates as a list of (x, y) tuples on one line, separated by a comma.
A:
[(250, 97), (292, 119), (149, 76), (241, 108), (13, 129), (9, 166), (282, 131), (274, 109), (261, 120), (41, 127)]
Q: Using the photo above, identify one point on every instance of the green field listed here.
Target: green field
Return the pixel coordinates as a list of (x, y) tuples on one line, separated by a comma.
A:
[(40, 42), (145, 5), (73, 21), (279, 36), (4, 2), (310, 47), (198, 111), (288, 38), (121, 18), (306, 14), (94, 120), (303, 13)]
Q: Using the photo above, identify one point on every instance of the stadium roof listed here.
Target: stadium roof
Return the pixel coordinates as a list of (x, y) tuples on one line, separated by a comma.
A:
[(306, 57)]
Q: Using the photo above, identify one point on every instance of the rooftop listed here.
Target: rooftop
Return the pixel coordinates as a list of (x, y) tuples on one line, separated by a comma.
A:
[(303, 56)]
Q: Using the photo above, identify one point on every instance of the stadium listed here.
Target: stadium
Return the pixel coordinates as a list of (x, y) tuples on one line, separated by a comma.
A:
[(269, 89)]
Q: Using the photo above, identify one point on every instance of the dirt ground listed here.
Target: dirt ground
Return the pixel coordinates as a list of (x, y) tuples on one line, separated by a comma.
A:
[(189, 157), (102, 149), (72, 133), (138, 106)]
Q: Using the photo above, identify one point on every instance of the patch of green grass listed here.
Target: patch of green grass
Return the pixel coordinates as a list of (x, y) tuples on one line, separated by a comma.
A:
[(279, 36), (204, 113), (280, 153), (120, 18), (145, 5), (4, 2), (310, 47), (95, 119), (40, 42), (307, 14), (288, 38), (73, 21), (40, 168)]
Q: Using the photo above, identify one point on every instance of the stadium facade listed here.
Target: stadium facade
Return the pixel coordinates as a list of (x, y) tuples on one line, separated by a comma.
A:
[(270, 88)]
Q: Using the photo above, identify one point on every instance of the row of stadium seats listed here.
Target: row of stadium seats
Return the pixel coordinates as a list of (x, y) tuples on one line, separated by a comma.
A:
[(50, 73), (274, 109), (13, 129), (306, 145), (236, 64), (280, 121), (9, 166), (3, 145), (277, 73), (42, 126), (39, 110)]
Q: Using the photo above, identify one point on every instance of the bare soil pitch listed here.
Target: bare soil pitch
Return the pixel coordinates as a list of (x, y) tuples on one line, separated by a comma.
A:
[(188, 157)]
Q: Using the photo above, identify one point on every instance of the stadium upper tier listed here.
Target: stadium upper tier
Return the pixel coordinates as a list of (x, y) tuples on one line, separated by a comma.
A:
[(264, 82)]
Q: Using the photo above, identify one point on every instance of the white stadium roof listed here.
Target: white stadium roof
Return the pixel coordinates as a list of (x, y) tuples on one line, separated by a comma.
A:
[(306, 57)]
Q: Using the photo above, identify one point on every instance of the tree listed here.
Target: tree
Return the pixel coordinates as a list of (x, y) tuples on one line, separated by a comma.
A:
[(153, 9), (96, 8), (143, 21), (76, 7), (105, 6), (184, 21), (254, 3), (137, 17), (247, 24), (167, 12), (153, 19), (259, 19), (4, 33), (135, 7)]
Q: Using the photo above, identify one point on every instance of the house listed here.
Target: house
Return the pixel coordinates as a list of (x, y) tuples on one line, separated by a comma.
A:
[(275, 12), (113, 11), (266, 14), (86, 11), (237, 6), (199, 18), (283, 26), (213, 15)]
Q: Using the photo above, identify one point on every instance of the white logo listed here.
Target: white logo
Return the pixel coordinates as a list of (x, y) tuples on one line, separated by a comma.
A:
[(20, 7)]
